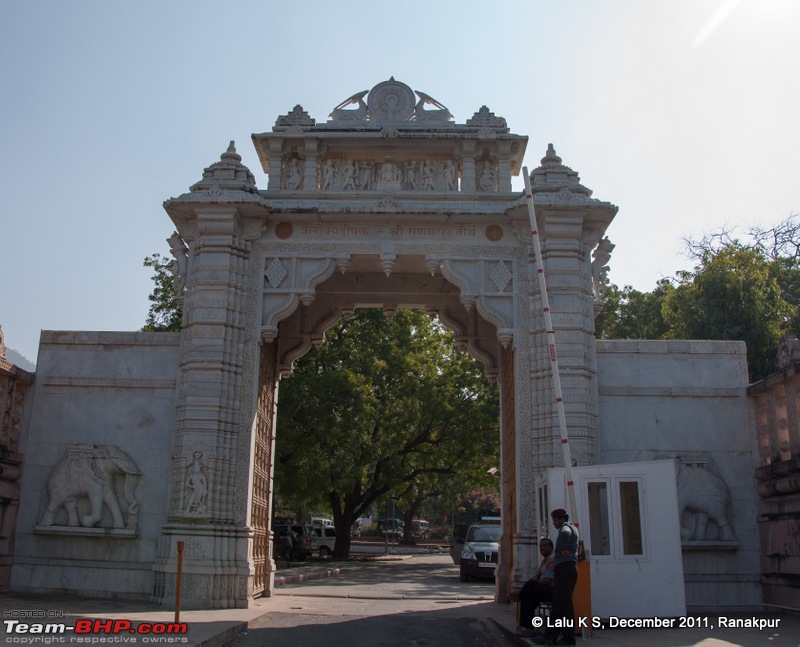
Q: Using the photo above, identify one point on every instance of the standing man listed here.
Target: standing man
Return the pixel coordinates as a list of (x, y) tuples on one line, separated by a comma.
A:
[(566, 576)]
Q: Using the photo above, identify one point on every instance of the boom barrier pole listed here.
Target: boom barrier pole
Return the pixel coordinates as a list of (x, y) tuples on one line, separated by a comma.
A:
[(551, 342)]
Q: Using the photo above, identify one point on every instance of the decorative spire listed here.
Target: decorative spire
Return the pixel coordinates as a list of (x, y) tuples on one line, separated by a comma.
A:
[(486, 119), (229, 174), (231, 154), (554, 177), (295, 121), (550, 158)]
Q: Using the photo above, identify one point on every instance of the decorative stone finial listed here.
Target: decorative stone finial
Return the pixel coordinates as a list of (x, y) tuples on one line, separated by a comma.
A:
[(229, 174), (231, 153), (486, 119), (391, 102), (550, 158), (295, 121), (554, 177)]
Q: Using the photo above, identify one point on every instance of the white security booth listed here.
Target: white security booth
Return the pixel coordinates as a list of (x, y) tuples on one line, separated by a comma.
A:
[(629, 524)]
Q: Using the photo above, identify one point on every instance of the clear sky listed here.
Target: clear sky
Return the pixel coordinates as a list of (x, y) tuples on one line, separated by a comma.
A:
[(684, 113)]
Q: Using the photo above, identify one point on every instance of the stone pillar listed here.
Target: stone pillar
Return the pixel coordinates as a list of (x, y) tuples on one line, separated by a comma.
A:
[(14, 382), (208, 507), (504, 166), (572, 312), (505, 574), (275, 179), (569, 225), (468, 167), (310, 180)]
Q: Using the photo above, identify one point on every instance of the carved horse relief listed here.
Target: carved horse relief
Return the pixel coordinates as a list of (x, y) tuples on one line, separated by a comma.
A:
[(87, 478)]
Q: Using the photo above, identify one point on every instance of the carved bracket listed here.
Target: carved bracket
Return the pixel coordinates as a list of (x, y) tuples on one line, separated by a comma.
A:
[(486, 284), (290, 280)]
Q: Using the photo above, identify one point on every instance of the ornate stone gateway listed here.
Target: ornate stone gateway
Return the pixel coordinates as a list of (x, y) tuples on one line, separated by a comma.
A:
[(135, 441), (390, 203)]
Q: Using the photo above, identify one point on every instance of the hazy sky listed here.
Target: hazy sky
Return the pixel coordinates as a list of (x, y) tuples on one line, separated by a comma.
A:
[(684, 113)]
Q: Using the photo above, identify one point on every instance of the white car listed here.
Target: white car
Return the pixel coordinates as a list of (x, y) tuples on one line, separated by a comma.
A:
[(326, 538), (479, 557)]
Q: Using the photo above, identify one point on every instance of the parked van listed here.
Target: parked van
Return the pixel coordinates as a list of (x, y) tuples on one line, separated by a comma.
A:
[(421, 529), (296, 541), (326, 539), (321, 521)]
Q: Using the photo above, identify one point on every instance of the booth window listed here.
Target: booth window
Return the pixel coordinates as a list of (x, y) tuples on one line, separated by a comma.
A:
[(615, 518), (600, 535), (631, 518)]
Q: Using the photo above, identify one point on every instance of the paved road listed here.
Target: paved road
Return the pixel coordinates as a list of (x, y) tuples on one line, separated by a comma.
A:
[(414, 603)]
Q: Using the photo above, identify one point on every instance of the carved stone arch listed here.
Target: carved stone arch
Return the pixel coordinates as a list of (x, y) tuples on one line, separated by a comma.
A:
[(486, 284), (288, 281), (299, 332), (476, 338)]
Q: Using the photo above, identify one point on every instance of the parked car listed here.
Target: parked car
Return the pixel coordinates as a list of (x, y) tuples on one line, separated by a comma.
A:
[(421, 529), (326, 539), (479, 557), (391, 527), (321, 521), (297, 547)]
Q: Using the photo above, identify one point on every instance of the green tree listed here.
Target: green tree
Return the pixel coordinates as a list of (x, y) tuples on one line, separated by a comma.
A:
[(384, 408), (630, 314), (745, 290), (165, 313), (732, 294)]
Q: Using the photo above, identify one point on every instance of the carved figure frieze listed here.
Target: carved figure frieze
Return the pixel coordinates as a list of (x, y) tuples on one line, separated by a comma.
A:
[(704, 503), (195, 486), (86, 482), (388, 175), (601, 255), (292, 175), (486, 177)]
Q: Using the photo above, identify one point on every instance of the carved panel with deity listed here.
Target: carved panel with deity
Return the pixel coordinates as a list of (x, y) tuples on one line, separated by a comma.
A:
[(388, 175)]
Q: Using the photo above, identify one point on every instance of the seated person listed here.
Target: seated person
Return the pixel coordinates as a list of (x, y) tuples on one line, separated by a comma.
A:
[(538, 589)]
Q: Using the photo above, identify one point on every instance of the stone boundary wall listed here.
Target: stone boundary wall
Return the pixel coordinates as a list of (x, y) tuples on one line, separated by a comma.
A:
[(687, 400), (98, 446), (776, 400)]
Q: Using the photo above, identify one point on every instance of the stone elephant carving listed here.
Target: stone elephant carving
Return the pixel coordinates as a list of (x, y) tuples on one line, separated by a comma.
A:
[(703, 498), (92, 472)]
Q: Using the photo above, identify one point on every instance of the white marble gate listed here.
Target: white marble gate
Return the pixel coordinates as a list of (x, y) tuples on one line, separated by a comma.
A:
[(390, 203), (136, 441)]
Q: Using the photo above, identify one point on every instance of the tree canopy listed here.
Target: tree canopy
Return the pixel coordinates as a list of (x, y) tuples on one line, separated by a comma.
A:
[(743, 289), (165, 313), (386, 408)]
